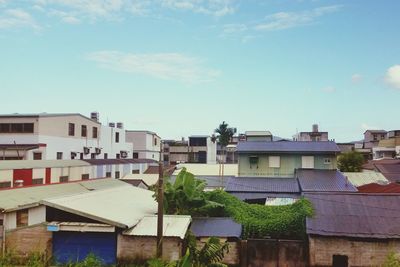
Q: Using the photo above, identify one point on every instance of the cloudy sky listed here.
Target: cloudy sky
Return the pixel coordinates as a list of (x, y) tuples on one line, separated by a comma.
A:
[(180, 67)]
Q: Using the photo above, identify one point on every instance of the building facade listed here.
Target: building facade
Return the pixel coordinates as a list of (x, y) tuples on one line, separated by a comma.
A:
[(146, 144), (314, 135)]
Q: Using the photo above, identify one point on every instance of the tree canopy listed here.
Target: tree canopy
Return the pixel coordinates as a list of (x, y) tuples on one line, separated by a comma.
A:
[(350, 162), (225, 133)]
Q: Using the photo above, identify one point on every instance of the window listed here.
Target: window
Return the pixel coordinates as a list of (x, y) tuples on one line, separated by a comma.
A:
[(37, 181), (59, 155), (274, 161), (71, 129), (108, 174), (16, 127), (340, 261), (116, 175), (83, 130), (307, 162), (85, 176), (155, 141), (94, 132), (253, 160), (93, 155), (5, 184), (105, 156), (73, 155), (116, 137), (135, 155), (135, 171), (37, 155), (22, 218), (118, 156), (327, 161), (375, 137), (81, 156), (63, 179)]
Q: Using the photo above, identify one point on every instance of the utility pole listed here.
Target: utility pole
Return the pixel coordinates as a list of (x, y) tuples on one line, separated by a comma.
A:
[(160, 213)]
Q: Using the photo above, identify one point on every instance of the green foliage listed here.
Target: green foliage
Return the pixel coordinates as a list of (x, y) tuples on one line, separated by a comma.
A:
[(186, 196), (259, 221), (392, 260), (225, 134), (350, 161), (34, 259)]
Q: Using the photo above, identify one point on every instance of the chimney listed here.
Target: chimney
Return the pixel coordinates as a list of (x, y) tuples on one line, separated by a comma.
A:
[(94, 116)]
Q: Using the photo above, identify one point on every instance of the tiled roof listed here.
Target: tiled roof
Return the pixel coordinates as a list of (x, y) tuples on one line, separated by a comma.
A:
[(379, 188), (288, 147), (355, 215), (312, 180), (219, 227), (264, 185)]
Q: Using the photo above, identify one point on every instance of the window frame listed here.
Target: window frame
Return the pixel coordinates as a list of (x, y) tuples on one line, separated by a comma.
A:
[(71, 129), (83, 130), (22, 217)]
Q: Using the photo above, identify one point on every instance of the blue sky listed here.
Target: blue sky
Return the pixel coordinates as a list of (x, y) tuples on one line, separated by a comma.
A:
[(180, 67)]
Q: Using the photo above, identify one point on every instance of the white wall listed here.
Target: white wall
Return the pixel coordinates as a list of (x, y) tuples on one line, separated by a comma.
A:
[(36, 215), (143, 144), (211, 151)]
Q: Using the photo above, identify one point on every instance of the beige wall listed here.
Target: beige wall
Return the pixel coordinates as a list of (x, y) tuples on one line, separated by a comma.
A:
[(134, 248), (37, 215), (360, 253), (232, 257)]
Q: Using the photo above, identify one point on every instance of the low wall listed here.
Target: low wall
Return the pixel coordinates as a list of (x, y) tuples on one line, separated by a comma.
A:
[(230, 258)]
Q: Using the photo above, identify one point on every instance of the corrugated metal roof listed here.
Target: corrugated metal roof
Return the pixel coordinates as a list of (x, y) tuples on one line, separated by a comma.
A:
[(208, 169), (18, 198), (279, 201), (355, 215), (312, 180), (258, 133), (218, 227), (262, 184), (122, 206), (379, 188), (118, 161), (366, 177), (212, 181), (288, 147), (254, 195), (149, 179), (173, 226), (32, 164)]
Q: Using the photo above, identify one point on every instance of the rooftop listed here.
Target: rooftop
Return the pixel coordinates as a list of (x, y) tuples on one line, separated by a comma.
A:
[(379, 188), (355, 215), (288, 147), (44, 114), (217, 226), (365, 177), (208, 169), (262, 185), (312, 180), (258, 133)]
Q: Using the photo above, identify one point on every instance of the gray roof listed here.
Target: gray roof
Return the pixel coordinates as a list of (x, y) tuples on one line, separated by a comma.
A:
[(32, 164), (19, 198), (264, 185), (323, 181), (288, 147), (44, 114), (258, 195), (355, 215), (212, 181), (218, 227)]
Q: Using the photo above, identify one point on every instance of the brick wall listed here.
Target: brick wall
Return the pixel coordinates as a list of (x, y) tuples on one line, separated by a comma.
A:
[(360, 252), (232, 257), (134, 248), (33, 239)]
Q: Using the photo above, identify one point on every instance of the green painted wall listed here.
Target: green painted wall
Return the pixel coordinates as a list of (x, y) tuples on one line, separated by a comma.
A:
[(288, 163)]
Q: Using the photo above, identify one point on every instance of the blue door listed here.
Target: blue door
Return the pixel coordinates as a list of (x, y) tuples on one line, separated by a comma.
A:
[(75, 246)]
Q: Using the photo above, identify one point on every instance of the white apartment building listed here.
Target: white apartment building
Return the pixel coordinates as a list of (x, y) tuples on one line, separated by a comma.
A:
[(146, 144), (60, 136)]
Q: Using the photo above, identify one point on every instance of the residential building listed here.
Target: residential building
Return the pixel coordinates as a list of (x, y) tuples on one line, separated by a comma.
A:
[(175, 152), (314, 135), (280, 159), (388, 148), (47, 136), (146, 144), (202, 149), (372, 138), (261, 136)]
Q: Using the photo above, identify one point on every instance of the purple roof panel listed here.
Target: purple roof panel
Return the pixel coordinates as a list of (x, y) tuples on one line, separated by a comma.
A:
[(218, 227), (288, 147), (312, 180), (265, 185)]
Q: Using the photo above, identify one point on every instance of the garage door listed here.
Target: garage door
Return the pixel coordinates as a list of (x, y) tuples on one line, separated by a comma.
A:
[(75, 246)]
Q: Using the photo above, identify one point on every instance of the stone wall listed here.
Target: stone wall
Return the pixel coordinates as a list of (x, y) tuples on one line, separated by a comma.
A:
[(360, 252), (137, 248)]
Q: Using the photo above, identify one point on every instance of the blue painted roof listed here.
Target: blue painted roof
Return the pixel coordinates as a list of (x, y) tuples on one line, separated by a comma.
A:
[(217, 226), (312, 180), (288, 147), (262, 184)]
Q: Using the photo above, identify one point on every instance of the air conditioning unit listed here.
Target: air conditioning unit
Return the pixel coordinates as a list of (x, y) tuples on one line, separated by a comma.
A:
[(111, 124), (124, 154), (120, 125), (86, 150), (94, 116), (98, 150)]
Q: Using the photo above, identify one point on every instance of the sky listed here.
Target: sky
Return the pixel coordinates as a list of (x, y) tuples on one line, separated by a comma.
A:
[(181, 67)]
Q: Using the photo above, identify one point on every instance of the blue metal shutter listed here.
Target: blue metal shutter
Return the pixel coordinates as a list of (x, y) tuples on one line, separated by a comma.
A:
[(75, 246)]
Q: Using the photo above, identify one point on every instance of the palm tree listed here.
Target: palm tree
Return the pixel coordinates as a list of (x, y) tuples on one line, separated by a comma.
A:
[(225, 134)]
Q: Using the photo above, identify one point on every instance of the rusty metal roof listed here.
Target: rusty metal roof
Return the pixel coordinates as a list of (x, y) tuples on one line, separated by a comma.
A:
[(379, 188), (355, 215)]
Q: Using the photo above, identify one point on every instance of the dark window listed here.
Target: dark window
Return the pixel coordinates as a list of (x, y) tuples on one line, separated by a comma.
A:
[(28, 127), (81, 156), (197, 141), (93, 155), (375, 137), (59, 155), (105, 156), (155, 141), (37, 156), (118, 156), (73, 155), (37, 181), (71, 129), (94, 132), (5, 184), (5, 127), (16, 127), (135, 171), (340, 261), (135, 155), (22, 217), (63, 179), (108, 174), (253, 160), (116, 137), (1, 221), (85, 176), (116, 175), (83, 130)]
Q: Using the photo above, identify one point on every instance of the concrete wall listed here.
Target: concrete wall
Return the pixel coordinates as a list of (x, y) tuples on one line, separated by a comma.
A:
[(36, 215), (288, 163), (135, 248), (360, 252), (230, 258), (28, 240), (144, 144)]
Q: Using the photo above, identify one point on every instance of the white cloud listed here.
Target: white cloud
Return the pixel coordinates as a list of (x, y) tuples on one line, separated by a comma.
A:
[(71, 20), (329, 89), (392, 77), (17, 18), (168, 66), (356, 78), (209, 7), (287, 20)]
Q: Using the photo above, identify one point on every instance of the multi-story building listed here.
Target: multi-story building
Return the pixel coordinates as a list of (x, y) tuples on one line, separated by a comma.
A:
[(175, 151), (202, 149), (261, 136), (372, 138), (60, 136), (146, 144), (389, 147), (314, 135)]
